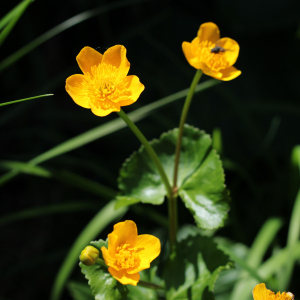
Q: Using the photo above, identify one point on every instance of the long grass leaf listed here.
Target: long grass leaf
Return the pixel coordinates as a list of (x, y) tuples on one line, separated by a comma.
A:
[(11, 14), (17, 14), (107, 128), (25, 99), (293, 238), (47, 210), (105, 216), (62, 27), (263, 241), (239, 261), (255, 256)]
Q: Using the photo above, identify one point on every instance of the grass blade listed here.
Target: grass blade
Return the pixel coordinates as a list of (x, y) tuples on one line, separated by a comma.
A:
[(239, 261), (105, 216), (25, 99), (292, 240), (107, 128), (242, 288), (263, 241), (62, 27), (48, 210), (13, 16)]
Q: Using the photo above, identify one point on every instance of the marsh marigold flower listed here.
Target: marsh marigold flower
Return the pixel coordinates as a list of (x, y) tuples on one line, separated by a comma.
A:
[(129, 253), (214, 56), (104, 85), (260, 292)]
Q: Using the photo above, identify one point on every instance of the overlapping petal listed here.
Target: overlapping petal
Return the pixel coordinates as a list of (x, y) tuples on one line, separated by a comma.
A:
[(87, 58), (74, 89), (148, 249), (232, 49), (229, 73), (209, 32), (135, 87), (116, 56), (124, 277), (126, 233)]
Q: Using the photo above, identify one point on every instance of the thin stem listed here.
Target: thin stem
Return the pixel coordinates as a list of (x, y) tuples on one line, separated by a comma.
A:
[(184, 113), (156, 161), (150, 151), (101, 262), (150, 285)]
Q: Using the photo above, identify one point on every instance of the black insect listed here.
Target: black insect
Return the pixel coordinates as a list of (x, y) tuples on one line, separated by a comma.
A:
[(217, 49)]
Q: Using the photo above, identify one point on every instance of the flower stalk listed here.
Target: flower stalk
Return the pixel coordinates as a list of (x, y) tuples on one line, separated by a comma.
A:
[(150, 151), (184, 113), (171, 200)]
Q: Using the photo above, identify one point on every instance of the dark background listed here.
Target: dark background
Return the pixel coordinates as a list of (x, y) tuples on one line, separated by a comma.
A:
[(258, 114)]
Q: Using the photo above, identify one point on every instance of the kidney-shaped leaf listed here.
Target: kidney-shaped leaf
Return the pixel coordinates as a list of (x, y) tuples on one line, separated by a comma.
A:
[(200, 176)]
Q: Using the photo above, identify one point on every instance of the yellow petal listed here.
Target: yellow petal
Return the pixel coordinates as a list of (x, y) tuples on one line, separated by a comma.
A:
[(260, 292), (112, 240), (208, 32), (232, 49), (229, 73), (148, 248), (76, 91), (187, 50), (107, 258), (116, 56), (135, 87), (87, 58), (126, 232), (105, 109), (123, 277)]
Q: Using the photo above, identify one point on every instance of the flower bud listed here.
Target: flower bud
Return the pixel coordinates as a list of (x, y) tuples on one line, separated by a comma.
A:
[(89, 255)]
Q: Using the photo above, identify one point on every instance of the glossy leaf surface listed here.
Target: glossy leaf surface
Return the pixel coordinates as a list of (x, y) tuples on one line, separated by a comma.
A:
[(200, 178)]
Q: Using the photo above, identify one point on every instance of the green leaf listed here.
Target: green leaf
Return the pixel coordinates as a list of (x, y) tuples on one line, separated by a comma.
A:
[(200, 178), (25, 99), (80, 291), (12, 18), (103, 285), (193, 267)]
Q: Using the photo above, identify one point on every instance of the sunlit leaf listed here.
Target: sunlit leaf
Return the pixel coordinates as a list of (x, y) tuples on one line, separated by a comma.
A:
[(200, 178)]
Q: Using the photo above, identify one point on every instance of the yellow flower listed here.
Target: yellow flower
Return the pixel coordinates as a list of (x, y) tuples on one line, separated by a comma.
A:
[(214, 56), (103, 87), (128, 253), (260, 292)]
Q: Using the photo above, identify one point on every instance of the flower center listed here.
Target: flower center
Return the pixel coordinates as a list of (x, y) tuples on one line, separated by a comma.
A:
[(215, 61), (126, 256), (107, 87)]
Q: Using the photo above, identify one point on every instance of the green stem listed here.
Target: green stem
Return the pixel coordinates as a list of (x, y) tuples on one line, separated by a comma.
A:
[(157, 163), (150, 151), (184, 113), (101, 262), (150, 285)]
